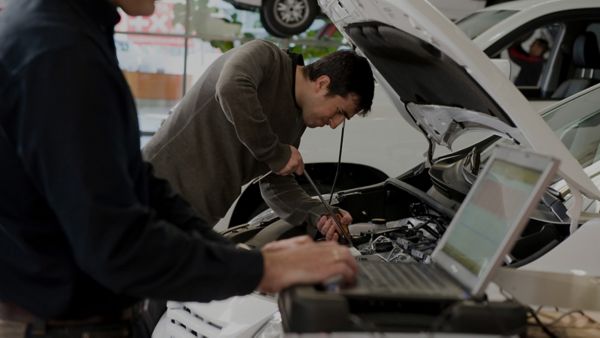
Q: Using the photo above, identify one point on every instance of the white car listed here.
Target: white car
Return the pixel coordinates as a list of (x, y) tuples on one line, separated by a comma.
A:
[(442, 85)]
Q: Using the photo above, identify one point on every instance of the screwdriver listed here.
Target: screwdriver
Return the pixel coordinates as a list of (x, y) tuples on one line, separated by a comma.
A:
[(341, 229)]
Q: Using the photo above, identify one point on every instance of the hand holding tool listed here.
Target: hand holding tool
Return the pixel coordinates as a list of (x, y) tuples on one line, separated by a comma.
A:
[(342, 230)]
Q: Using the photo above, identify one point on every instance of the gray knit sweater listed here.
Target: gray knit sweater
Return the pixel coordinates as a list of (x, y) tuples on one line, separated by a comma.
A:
[(233, 125)]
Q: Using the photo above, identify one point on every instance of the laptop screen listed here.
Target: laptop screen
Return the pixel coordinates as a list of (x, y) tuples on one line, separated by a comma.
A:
[(493, 215), (494, 207)]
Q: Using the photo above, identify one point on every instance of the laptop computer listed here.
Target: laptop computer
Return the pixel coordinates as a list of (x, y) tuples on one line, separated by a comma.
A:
[(482, 232)]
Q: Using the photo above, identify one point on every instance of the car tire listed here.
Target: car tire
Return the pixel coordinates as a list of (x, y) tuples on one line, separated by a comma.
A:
[(284, 18)]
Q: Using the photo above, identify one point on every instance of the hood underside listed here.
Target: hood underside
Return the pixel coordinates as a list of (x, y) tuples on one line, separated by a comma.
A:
[(442, 99)]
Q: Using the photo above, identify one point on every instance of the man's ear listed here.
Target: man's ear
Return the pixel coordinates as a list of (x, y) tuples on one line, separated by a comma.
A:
[(322, 82)]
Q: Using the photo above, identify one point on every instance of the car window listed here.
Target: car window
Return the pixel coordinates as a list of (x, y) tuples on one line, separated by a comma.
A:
[(577, 124), (475, 24), (530, 56), (549, 61)]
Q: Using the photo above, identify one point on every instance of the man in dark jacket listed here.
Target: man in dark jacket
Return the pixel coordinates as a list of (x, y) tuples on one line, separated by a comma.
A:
[(85, 228)]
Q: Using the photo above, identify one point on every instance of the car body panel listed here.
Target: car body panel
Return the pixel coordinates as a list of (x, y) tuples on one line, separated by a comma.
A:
[(457, 9), (235, 317), (246, 4), (439, 36), (526, 11)]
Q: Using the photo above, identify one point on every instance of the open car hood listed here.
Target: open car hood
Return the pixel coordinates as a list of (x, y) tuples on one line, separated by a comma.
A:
[(440, 82)]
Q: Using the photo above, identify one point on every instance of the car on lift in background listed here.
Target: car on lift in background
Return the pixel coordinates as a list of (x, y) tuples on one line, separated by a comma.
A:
[(282, 18)]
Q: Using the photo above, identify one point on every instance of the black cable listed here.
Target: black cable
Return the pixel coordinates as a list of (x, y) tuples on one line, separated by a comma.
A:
[(441, 223), (566, 314), (337, 169), (436, 235), (425, 226), (438, 222), (533, 313), (426, 220), (540, 323)]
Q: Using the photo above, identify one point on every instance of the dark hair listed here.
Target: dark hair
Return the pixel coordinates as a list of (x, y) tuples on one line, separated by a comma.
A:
[(348, 73)]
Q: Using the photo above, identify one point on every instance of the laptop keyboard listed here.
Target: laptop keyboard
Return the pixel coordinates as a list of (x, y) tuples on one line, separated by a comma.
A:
[(403, 276)]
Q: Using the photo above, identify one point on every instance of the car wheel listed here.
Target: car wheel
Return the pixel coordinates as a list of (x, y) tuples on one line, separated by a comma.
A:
[(284, 18)]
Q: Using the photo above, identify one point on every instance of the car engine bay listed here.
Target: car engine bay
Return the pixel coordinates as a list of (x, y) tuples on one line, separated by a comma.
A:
[(401, 219)]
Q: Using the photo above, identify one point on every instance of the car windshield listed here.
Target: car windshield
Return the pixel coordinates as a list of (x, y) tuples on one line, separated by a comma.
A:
[(475, 24), (577, 123)]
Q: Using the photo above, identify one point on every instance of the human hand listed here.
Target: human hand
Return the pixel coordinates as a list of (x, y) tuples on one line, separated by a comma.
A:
[(294, 165), (305, 262), (286, 243), (326, 225)]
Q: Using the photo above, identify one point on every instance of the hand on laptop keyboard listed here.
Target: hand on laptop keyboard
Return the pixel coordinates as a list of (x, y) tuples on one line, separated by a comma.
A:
[(299, 260)]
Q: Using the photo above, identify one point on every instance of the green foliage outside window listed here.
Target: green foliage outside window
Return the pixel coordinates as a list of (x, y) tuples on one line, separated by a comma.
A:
[(311, 52)]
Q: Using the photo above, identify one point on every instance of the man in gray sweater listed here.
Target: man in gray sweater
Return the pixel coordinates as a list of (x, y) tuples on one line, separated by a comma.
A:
[(245, 116)]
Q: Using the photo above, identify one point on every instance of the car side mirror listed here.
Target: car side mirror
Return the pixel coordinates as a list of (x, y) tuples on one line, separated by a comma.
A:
[(503, 65)]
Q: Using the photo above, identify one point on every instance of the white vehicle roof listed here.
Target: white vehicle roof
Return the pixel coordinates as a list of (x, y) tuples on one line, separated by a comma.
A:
[(441, 82), (552, 5), (526, 11)]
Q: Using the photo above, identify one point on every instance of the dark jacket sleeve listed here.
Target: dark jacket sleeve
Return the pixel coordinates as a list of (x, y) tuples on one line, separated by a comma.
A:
[(78, 144), (289, 201)]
